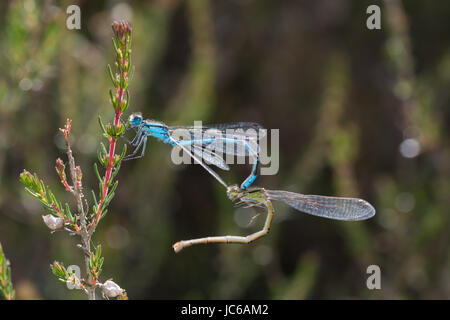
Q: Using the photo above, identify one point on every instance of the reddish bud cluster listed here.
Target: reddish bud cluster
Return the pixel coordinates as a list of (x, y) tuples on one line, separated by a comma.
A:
[(66, 130), (121, 30)]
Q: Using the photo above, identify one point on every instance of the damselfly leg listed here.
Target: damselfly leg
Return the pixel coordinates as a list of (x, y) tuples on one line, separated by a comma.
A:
[(143, 143)]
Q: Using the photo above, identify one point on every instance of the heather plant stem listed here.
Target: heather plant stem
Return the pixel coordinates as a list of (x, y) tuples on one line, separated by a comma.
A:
[(78, 194), (122, 33), (84, 222), (112, 147)]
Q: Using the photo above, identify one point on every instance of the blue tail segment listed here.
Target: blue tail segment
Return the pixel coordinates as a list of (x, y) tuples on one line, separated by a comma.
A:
[(252, 177)]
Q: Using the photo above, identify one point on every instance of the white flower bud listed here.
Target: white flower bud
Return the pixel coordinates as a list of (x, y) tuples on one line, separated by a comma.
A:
[(54, 223), (111, 289)]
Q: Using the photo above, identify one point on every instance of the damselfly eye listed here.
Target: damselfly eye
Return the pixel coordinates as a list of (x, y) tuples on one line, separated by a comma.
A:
[(135, 119)]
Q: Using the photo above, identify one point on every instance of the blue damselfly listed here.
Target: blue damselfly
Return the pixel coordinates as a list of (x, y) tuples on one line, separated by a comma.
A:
[(205, 144)]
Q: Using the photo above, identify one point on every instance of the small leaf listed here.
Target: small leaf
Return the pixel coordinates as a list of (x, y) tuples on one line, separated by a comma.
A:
[(68, 213), (131, 75), (127, 101), (113, 99), (111, 75), (116, 170), (102, 126), (115, 45), (94, 197), (102, 145), (103, 213)]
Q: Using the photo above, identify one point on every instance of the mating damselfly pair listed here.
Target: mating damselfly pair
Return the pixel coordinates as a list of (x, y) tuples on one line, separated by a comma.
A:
[(347, 209), (209, 143)]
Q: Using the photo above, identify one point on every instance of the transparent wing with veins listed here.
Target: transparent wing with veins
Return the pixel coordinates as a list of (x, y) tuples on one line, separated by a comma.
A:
[(348, 209)]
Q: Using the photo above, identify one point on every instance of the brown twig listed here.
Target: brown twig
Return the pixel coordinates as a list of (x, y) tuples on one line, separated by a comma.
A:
[(77, 191)]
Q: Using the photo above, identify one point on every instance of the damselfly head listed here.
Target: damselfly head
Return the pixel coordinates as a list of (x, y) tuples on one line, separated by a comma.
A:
[(233, 192), (135, 119)]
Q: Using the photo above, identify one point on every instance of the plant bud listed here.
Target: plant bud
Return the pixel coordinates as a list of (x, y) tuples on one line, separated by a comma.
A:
[(54, 223), (121, 30), (112, 289), (79, 173), (26, 178), (60, 167)]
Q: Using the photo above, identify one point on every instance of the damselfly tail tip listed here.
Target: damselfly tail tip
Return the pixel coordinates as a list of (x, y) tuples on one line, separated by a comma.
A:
[(178, 246)]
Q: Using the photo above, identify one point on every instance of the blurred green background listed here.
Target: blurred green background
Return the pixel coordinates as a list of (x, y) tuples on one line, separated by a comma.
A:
[(361, 113)]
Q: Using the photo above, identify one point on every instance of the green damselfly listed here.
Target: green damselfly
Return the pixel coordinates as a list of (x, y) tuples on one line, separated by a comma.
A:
[(337, 208)]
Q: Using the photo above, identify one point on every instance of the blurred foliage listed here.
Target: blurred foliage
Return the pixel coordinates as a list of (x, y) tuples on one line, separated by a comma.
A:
[(6, 287), (361, 113)]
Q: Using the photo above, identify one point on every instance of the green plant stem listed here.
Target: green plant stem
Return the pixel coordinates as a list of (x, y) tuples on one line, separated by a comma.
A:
[(111, 156)]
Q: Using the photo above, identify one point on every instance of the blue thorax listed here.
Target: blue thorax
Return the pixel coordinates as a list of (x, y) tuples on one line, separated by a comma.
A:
[(158, 130)]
